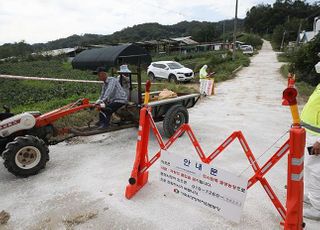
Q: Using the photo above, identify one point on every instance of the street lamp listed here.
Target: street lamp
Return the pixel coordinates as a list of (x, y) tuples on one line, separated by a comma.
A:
[(235, 31)]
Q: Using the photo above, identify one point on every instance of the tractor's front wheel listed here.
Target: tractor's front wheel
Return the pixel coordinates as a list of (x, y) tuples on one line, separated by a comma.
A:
[(25, 156)]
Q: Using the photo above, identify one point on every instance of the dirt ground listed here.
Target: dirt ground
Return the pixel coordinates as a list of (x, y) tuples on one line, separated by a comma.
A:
[(83, 184)]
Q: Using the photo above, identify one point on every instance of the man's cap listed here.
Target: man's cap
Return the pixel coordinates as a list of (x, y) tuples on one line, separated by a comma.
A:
[(124, 69), (99, 69)]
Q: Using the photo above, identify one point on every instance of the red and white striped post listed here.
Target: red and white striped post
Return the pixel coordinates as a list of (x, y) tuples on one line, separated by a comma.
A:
[(297, 142)]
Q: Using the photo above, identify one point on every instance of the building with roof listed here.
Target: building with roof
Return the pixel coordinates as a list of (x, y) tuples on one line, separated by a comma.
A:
[(70, 52), (185, 41), (307, 36), (183, 45), (168, 45)]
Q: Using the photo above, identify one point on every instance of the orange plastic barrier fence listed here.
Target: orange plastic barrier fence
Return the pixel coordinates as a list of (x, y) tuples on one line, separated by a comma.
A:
[(291, 215)]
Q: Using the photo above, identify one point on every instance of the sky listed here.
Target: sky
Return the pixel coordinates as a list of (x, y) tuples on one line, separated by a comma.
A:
[(37, 21)]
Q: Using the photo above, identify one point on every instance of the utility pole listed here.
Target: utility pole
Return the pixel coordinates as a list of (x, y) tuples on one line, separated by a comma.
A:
[(224, 30), (298, 36), (282, 42), (235, 32)]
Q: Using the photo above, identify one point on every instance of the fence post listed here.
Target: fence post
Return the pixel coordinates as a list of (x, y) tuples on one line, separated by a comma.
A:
[(137, 181), (297, 142), (294, 215)]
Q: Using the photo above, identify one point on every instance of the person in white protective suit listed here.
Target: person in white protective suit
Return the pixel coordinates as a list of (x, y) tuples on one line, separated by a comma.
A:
[(203, 75), (311, 121)]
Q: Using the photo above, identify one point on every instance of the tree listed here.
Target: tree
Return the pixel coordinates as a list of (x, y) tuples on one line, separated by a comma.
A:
[(15, 50), (304, 60), (200, 31), (264, 19)]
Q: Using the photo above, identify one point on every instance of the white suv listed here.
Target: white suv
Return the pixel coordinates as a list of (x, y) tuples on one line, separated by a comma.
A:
[(247, 49), (170, 70)]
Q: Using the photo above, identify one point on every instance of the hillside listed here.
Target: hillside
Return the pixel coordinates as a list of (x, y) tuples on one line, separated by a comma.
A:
[(200, 31)]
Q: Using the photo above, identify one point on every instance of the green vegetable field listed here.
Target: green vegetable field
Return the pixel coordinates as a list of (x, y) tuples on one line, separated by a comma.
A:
[(26, 95)]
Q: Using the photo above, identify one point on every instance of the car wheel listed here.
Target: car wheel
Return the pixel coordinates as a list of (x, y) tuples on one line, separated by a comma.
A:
[(151, 77), (173, 78)]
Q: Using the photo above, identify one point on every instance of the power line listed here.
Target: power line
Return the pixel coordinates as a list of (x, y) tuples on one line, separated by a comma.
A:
[(186, 16), (165, 9)]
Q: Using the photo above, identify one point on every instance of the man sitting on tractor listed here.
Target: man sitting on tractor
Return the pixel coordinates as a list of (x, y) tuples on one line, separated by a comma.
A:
[(111, 99)]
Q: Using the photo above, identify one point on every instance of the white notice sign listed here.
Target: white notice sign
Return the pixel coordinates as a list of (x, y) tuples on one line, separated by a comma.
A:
[(208, 185)]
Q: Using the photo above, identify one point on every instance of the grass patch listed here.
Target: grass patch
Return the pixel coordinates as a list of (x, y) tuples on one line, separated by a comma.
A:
[(51, 104), (283, 57), (56, 68), (267, 37), (304, 89), (284, 70), (274, 45), (219, 62), (67, 65)]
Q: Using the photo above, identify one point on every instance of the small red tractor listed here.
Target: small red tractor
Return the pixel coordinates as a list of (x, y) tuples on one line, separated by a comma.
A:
[(24, 138)]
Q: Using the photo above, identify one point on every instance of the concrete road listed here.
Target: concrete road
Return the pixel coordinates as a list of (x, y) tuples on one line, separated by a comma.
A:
[(84, 182)]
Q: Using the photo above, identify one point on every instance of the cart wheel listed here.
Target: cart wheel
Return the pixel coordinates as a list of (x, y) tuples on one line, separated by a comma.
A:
[(25, 156), (174, 118), (151, 77)]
